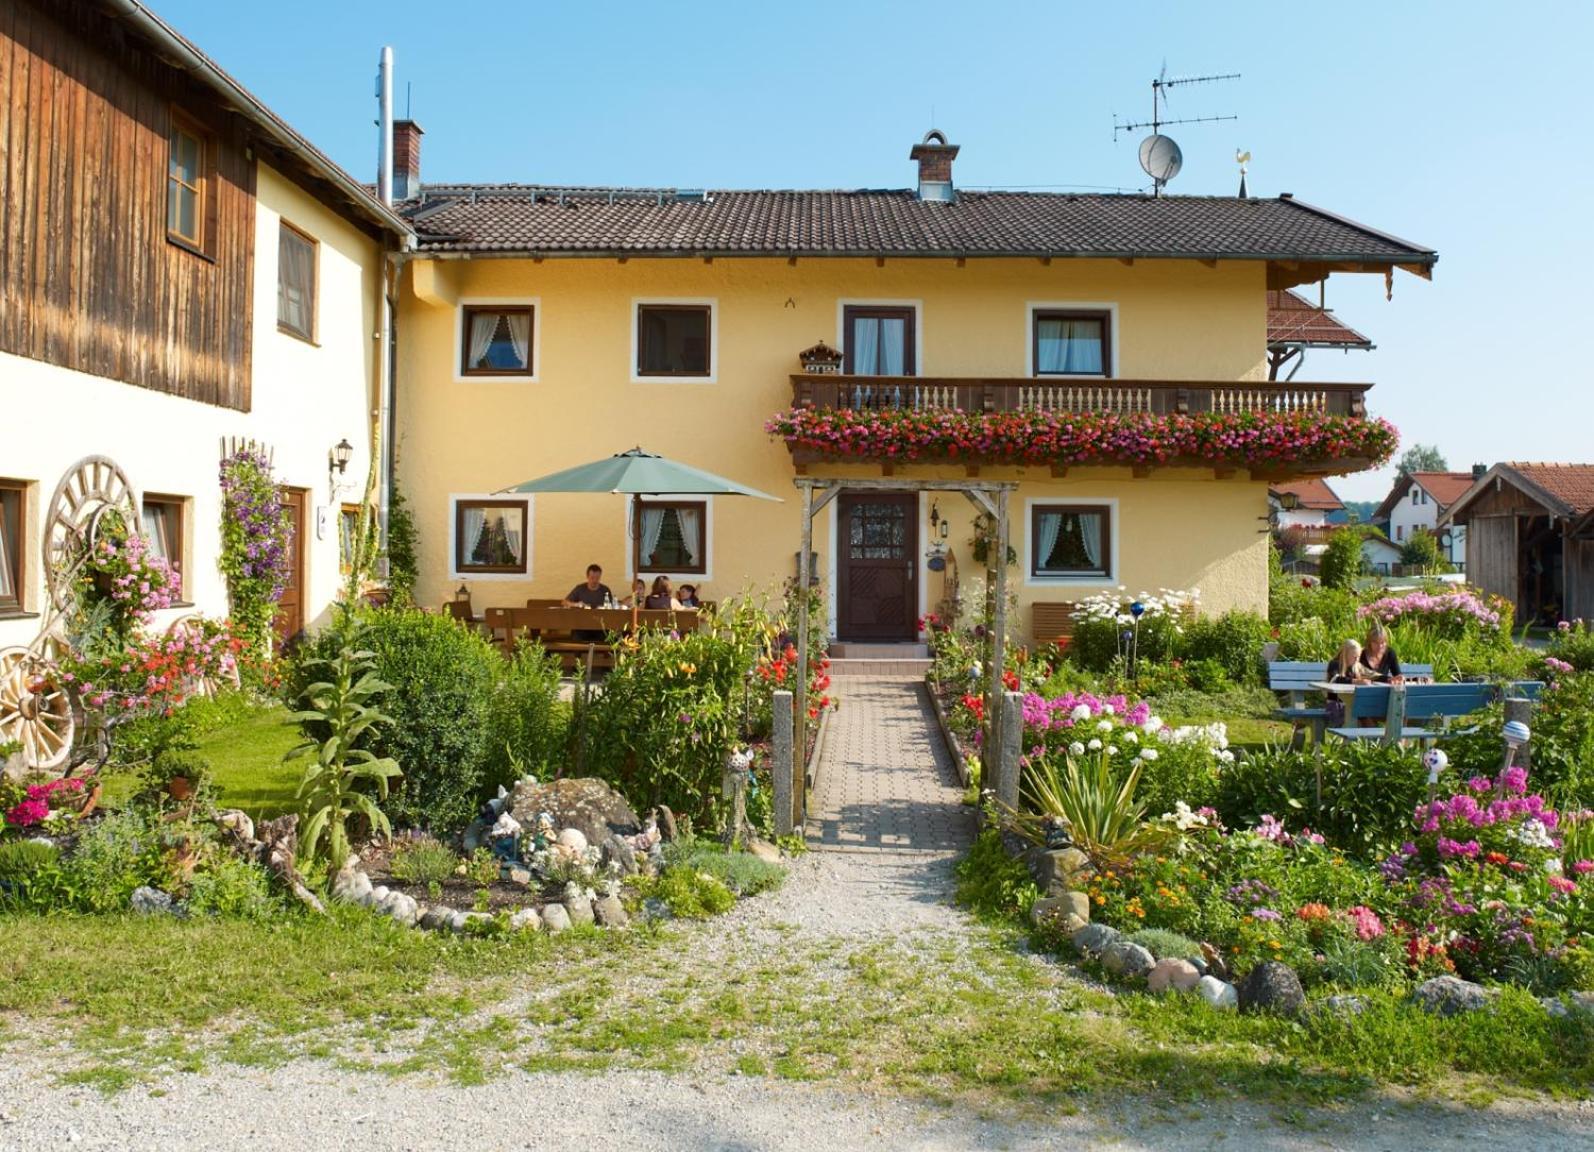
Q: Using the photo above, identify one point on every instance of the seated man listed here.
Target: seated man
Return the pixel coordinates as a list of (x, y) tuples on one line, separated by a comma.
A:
[(593, 594)]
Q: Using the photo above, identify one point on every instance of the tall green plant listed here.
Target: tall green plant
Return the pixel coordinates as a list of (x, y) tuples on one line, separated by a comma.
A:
[(1099, 807), (403, 563), (343, 707), (1342, 559)]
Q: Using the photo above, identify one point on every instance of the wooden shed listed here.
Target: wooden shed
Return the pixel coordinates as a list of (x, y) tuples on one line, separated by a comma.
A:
[(1530, 538)]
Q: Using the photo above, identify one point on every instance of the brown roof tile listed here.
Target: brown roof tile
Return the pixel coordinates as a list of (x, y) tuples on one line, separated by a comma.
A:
[(1293, 319), (1570, 484), (1444, 487), (523, 218)]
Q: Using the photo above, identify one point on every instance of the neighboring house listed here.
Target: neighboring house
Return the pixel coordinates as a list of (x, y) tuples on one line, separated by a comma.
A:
[(1382, 555), (1309, 503), (1417, 501), (1295, 324), (180, 268), (542, 327), (1530, 538)]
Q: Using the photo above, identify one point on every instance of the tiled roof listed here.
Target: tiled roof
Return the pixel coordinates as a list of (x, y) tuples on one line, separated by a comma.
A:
[(1444, 487), (1293, 319), (1312, 494), (1571, 485), (573, 221)]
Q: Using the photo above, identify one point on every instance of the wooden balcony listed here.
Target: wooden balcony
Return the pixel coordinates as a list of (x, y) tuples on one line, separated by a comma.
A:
[(1061, 394)]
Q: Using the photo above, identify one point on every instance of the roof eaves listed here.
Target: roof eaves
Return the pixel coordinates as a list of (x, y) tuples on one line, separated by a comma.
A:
[(1421, 255)]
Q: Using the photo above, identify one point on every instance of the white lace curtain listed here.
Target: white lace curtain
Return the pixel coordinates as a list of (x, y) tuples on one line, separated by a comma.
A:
[(475, 519), (1090, 536), (1084, 526), (1069, 347), (519, 325), (293, 283), (652, 528), (879, 345), (690, 520), (8, 586), (482, 327), (1046, 530)]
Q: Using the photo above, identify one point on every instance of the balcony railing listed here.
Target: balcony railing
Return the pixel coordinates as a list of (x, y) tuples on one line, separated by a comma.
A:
[(1043, 394)]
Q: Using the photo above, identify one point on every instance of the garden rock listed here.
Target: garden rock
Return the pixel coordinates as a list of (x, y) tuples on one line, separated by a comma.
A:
[(764, 850), (588, 805), (1451, 996), (525, 920), (1057, 909), (1572, 1004), (619, 853), (351, 885), (1094, 939), (517, 875), (401, 907), (458, 921), (147, 901), (1272, 987), (472, 837), (578, 904), (1173, 974), (609, 912), (1220, 994), (435, 917), (1056, 869), (1343, 1007), (655, 909), (1128, 960), (236, 821), (555, 918), (574, 839)]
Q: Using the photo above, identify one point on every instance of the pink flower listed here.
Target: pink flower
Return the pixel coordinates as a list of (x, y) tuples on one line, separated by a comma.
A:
[(1583, 867), (1366, 923), (1562, 884)]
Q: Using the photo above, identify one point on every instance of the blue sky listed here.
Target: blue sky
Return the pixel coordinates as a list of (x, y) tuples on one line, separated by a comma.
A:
[(1455, 125)]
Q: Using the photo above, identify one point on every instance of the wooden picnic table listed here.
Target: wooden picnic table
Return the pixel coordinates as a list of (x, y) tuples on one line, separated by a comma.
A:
[(573, 633)]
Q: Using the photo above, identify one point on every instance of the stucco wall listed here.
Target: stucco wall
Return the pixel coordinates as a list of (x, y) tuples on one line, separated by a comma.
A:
[(305, 399), (1172, 320)]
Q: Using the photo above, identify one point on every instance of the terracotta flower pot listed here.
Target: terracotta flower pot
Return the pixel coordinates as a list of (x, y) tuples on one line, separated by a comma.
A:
[(179, 788)]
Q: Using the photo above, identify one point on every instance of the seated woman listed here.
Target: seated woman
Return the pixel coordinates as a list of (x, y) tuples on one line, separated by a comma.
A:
[(639, 593), (1346, 668), (687, 595), (1379, 662), (661, 596)]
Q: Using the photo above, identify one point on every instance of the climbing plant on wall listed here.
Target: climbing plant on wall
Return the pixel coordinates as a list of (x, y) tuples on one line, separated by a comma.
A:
[(254, 544)]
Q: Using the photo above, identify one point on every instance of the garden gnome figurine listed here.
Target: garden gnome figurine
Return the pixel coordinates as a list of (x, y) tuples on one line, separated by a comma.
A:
[(738, 771)]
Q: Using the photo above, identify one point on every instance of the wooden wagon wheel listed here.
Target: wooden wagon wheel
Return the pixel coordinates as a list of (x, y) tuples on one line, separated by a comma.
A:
[(37, 709), (192, 625), (90, 487)]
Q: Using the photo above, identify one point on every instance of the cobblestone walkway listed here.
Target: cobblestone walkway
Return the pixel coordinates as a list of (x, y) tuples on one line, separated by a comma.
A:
[(886, 783)]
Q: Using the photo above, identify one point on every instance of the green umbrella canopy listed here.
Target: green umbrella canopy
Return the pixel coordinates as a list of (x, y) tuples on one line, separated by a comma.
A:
[(642, 474)]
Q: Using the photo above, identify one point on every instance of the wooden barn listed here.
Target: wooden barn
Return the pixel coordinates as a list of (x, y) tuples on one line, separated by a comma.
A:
[(1530, 538)]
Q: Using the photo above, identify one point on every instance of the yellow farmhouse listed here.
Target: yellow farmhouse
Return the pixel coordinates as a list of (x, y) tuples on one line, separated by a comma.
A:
[(1107, 353)]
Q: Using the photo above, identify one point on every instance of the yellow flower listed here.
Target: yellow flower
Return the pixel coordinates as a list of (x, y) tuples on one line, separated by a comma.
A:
[(1100, 900), (1274, 944), (689, 669)]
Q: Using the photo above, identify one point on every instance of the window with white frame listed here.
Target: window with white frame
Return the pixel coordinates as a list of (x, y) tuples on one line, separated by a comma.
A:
[(1070, 540), (671, 536), (163, 524), (674, 340), (13, 494), (491, 536)]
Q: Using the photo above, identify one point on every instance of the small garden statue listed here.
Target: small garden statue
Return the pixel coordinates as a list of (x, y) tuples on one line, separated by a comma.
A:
[(1058, 834), (737, 778)]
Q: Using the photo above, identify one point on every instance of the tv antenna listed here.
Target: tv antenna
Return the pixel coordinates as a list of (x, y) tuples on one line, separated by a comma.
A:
[(1160, 156)]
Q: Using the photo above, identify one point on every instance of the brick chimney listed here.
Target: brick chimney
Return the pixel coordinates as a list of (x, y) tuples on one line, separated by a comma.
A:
[(935, 158), (406, 159)]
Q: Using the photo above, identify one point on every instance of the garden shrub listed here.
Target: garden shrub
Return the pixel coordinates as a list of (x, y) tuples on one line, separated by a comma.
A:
[(528, 725), (230, 887), (1101, 621), (993, 884), (1292, 600), (741, 872), (443, 676), (22, 863), (423, 860), (692, 894), (1421, 552), (1187, 771), (1342, 559), (1562, 748), (1163, 943), (1232, 640), (1573, 643), (124, 851)]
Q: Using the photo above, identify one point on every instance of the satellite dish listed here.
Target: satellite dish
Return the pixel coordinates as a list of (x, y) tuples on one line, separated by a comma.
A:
[(1161, 158)]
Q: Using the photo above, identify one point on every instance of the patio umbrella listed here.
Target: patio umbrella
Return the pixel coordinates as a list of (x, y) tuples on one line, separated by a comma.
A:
[(638, 473)]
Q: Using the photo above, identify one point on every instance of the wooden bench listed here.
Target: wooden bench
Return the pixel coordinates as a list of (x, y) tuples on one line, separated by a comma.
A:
[(1052, 622), (1397, 705), (1294, 678), (555, 628)]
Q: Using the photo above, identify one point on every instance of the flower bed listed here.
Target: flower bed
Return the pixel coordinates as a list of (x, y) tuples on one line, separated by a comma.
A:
[(1079, 438)]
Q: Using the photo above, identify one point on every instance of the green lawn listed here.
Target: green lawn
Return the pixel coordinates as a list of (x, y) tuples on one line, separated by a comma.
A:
[(246, 755)]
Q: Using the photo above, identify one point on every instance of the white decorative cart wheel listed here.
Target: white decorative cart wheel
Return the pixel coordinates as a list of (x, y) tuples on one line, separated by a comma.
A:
[(91, 487), (203, 685), (37, 709)]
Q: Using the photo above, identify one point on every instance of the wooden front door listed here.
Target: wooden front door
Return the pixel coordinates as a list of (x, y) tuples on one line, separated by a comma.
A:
[(290, 609), (877, 591)]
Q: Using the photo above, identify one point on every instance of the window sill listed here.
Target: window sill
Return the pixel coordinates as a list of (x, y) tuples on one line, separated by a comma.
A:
[(190, 247), (16, 614), (298, 335)]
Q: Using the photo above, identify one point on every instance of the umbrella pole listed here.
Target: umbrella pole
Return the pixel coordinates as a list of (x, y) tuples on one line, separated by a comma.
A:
[(636, 550)]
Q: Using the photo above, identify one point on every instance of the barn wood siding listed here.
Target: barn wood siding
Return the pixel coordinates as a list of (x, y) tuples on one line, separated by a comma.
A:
[(1578, 561), (1492, 561), (88, 279)]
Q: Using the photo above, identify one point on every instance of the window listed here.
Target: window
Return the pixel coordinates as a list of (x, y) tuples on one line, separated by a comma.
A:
[(670, 536), (348, 536), (163, 524), (1416, 494), (1070, 540), (490, 536), (1400, 531), (12, 495), (296, 270), (879, 341), (496, 341), (673, 340), (186, 174), (1071, 343)]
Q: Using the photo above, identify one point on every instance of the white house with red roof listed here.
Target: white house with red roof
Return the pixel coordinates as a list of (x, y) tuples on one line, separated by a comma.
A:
[(1418, 500)]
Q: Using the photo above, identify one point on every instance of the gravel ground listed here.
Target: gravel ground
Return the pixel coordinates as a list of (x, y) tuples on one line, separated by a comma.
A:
[(853, 897)]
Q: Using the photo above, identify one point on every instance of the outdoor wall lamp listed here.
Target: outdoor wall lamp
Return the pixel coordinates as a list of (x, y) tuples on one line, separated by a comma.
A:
[(338, 458)]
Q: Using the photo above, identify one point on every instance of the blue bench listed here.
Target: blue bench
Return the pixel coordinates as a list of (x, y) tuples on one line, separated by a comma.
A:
[(1398, 706), (1294, 679)]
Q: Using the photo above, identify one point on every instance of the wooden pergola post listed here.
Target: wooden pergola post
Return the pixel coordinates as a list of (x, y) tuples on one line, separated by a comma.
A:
[(799, 798)]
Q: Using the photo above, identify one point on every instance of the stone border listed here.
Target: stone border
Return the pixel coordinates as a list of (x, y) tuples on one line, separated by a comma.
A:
[(953, 746)]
